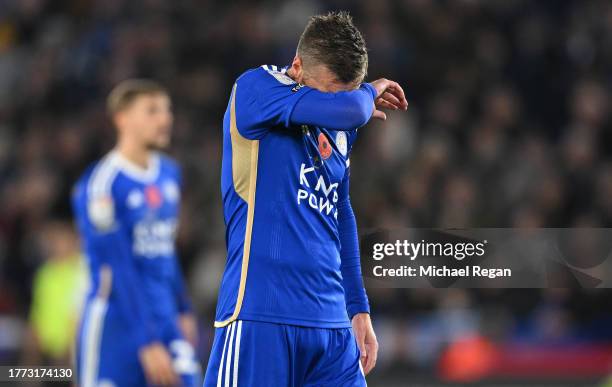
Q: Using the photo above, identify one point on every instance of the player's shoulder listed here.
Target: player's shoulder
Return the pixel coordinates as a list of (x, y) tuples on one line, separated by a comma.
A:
[(266, 75), (168, 162), (98, 178), (92, 194), (169, 165)]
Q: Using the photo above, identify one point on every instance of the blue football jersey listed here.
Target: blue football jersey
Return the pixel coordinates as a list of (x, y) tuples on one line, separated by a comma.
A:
[(127, 219), (281, 179)]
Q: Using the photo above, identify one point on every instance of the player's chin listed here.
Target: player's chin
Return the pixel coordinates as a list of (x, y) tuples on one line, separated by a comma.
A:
[(160, 143)]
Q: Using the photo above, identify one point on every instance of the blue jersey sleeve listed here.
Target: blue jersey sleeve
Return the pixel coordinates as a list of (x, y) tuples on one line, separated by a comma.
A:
[(345, 110), (350, 266), (107, 237), (266, 99), (178, 284)]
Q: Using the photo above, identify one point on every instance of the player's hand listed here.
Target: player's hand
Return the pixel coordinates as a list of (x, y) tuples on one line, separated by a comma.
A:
[(366, 340), (157, 365), (390, 95), (189, 328)]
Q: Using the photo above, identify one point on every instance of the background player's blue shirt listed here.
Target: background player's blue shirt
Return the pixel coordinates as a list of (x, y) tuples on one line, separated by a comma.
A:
[(284, 179), (127, 219)]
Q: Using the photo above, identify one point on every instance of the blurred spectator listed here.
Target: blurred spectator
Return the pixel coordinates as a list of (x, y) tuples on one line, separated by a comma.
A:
[(58, 291)]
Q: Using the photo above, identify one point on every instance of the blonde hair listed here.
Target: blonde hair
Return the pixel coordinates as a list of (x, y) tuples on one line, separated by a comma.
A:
[(127, 91)]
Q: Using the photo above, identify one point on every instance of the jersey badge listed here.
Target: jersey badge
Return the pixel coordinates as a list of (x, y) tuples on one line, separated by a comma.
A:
[(342, 143), (153, 196)]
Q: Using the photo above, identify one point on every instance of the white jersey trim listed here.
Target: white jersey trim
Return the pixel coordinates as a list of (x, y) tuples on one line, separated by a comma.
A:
[(102, 178), (134, 171), (279, 74)]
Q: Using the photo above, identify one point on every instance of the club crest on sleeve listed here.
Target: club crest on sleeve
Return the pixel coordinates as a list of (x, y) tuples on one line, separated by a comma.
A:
[(101, 212), (342, 143), (325, 148)]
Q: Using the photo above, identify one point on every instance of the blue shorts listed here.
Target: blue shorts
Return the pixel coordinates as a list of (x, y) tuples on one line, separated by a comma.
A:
[(253, 353), (107, 355)]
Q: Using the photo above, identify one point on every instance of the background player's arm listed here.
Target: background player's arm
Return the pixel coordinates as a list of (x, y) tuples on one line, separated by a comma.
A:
[(186, 320), (109, 238), (357, 304), (180, 290)]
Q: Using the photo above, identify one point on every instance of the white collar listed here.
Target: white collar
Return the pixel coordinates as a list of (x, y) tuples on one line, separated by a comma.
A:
[(135, 171)]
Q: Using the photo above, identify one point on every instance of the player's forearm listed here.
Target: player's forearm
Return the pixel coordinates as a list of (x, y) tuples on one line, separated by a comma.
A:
[(112, 250), (344, 110), (354, 292), (182, 296)]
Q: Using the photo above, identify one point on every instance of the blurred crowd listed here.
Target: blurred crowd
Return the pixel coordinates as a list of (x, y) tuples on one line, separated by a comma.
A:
[(509, 125)]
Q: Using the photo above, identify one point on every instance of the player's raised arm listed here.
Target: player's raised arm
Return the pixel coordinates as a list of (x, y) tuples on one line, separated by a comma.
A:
[(265, 98), (347, 110), (343, 110)]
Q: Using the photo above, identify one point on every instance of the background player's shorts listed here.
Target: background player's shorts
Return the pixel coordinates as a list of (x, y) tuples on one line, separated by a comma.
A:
[(252, 353), (107, 355)]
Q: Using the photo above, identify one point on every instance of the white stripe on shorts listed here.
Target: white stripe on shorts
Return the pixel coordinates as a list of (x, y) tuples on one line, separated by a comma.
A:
[(237, 354), (228, 361), (220, 373)]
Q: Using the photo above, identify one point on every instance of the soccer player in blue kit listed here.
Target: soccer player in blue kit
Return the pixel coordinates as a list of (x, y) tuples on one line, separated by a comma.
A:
[(137, 327), (292, 309)]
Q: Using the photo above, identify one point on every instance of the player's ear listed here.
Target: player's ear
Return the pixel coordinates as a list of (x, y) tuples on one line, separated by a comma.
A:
[(118, 119), (298, 68)]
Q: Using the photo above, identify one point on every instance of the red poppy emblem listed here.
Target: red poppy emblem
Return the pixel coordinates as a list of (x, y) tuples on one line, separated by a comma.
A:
[(153, 196), (325, 148)]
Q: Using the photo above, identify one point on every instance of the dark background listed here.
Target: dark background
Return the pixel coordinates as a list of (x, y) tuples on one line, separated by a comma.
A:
[(508, 126)]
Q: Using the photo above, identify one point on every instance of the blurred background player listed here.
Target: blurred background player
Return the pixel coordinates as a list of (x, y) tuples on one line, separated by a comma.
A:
[(292, 282), (137, 325)]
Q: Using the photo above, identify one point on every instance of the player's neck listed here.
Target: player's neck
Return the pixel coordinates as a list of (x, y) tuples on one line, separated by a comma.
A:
[(138, 155)]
